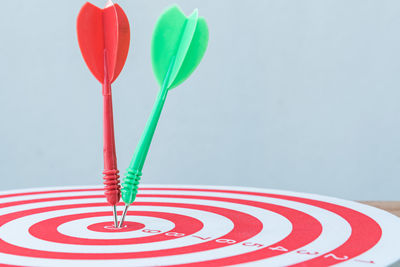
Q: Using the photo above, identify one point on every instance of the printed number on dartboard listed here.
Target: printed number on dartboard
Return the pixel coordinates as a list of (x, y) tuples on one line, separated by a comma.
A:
[(254, 245)]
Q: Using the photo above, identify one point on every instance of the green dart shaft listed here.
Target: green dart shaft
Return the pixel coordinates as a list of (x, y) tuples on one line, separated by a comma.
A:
[(147, 136), (134, 172)]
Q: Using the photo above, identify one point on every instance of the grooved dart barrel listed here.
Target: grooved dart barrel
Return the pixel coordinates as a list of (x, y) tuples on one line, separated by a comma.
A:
[(130, 186), (112, 186)]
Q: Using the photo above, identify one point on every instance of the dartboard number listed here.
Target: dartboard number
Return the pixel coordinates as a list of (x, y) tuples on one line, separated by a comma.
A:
[(278, 248), (336, 257), (330, 255), (251, 244), (149, 231), (152, 231), (226, 241), (303, 251), (174, 234), (220, 240), (202, 238)]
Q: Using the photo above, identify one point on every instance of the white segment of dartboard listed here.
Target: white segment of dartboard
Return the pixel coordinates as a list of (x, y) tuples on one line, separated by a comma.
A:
[(389, 236)]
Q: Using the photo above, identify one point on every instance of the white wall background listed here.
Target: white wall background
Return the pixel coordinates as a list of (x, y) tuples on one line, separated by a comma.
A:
[(295, 95)]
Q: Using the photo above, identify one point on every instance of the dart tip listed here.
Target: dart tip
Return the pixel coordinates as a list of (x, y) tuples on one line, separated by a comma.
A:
[(115, 216), (123, 216)]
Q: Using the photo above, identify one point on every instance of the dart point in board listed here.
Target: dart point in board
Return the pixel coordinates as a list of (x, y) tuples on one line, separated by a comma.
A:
[(178, 45), (103, 37)]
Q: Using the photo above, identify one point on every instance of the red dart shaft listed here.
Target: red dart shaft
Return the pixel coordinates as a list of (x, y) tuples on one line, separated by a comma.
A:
[(111, 177)]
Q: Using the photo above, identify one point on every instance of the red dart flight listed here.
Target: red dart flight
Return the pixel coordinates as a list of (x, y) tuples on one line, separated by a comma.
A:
[(103, 36)]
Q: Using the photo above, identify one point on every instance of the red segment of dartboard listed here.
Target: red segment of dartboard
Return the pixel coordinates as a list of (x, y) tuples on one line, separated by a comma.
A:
[(205, 226)]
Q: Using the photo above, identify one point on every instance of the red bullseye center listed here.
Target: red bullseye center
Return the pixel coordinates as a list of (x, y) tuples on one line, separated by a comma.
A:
[(107, 227)]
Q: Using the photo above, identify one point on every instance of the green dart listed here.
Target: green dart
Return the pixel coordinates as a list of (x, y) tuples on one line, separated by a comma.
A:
[(178, 45)]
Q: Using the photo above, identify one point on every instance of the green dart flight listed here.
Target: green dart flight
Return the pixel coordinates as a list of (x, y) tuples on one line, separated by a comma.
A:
[(178, 45)]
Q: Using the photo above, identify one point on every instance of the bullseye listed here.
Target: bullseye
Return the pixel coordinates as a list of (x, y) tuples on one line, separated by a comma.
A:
[(182, 226), (108, 227)]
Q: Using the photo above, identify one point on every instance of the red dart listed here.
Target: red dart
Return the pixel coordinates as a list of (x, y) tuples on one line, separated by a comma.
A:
[(103, 36)]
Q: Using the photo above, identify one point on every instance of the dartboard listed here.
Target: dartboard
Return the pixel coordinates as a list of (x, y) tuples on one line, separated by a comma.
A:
[(181, 225)]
